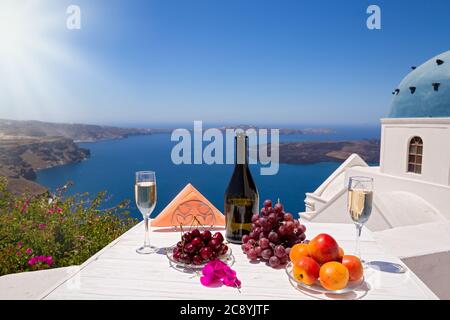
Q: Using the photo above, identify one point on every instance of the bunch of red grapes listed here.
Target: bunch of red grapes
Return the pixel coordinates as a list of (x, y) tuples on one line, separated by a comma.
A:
[(273, 234), (199, 247)]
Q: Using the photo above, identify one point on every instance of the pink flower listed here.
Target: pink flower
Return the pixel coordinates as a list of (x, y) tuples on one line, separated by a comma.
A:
[(25, 206), (29, 251), (19, 244), (32, 261), (18, 253), (42, 226), (55, 210), (216, 273), (48, 260)]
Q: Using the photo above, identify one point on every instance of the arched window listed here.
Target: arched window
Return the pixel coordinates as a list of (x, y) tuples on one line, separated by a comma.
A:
[(415, 152)]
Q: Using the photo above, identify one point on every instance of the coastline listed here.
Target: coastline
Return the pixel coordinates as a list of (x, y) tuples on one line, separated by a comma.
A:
[(27, 154)]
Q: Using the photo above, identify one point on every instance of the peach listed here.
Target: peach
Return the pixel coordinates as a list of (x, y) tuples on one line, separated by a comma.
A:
[(297, 251), (354, 266), (333, 276), (341, 254), (323, 248), (306, 270)]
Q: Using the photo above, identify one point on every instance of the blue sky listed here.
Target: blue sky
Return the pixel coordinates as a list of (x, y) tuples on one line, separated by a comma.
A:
[(232, 61)]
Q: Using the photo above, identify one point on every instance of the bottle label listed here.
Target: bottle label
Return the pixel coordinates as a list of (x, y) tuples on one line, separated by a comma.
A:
[(244, 202), (241, 226)]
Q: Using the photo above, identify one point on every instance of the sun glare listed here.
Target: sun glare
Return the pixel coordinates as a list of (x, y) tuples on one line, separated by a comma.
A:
[(12, 33), (30, 54), (20, 28)]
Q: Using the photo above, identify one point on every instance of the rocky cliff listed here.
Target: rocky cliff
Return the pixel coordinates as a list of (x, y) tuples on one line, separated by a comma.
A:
[(28, 146), (21, 157)]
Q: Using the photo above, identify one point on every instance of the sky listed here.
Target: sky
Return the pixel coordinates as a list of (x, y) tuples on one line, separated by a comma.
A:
[(280, 62)]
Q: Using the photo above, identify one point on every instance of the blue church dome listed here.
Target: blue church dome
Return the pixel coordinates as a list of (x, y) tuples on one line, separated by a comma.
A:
[(425, 92)]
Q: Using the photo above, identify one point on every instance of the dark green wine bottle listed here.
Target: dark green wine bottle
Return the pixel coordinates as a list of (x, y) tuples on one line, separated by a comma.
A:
[(241, 196)]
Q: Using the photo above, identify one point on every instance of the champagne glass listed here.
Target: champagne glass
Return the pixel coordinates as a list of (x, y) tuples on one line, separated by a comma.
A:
[(360, 196), (145, 195)]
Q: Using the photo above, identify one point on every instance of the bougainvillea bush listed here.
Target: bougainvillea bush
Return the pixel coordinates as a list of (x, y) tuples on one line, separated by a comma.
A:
[(51, 231)]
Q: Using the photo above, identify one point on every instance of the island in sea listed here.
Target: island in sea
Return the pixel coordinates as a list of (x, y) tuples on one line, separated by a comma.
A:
[(29, 146), (307, 152)]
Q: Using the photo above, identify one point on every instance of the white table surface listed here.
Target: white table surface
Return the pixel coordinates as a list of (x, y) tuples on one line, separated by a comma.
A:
[(118, 272)]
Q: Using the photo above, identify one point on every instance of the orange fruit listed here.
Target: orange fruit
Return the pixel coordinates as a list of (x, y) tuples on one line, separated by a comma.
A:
[(354, 266), (333, 275), (298, 251), (306, 270)]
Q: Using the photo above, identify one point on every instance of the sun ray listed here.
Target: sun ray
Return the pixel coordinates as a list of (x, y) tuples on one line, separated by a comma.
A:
[(36, 61)]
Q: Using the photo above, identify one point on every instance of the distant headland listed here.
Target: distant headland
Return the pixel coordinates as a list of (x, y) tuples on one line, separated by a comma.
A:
[(283, 131), (309, 152)]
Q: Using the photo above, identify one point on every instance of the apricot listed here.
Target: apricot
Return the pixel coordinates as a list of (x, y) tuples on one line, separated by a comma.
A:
[(297, 251), (306, 270), (333, 276), (354, 266), (323, 248)]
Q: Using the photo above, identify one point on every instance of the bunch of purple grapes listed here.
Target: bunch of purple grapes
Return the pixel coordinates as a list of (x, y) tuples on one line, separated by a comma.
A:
[(273, 234), (199, 247)]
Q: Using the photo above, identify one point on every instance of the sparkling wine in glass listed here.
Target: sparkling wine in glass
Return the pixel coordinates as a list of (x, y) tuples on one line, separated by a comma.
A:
[(360, 197), (145, 196)]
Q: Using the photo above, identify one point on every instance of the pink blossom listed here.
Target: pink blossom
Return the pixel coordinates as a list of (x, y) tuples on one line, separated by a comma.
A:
[(55, 210), (18, 253), (32, 261), (48, 260), (25, 206), (19, 244), (29, 251), (216, 273), (42, 226)]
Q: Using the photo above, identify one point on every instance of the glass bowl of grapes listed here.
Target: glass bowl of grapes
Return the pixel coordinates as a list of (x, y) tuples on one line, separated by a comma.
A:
[(196, 248)]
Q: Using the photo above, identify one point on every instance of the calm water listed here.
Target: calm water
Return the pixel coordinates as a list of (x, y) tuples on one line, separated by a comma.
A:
[(113, 163)]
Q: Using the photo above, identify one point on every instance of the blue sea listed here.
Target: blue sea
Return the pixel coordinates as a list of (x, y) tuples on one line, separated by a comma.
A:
[(113, 163)]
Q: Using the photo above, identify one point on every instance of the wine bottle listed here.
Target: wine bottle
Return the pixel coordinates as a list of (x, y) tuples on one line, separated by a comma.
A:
[(241, 196)]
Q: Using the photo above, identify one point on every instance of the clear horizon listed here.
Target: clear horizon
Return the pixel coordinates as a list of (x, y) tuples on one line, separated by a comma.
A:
[(252, 62)]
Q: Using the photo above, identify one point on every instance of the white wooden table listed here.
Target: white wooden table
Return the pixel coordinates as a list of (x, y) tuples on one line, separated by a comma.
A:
[(118, 272)]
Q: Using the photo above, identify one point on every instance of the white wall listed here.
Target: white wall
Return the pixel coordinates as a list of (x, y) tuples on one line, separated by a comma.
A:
[(435, 133)]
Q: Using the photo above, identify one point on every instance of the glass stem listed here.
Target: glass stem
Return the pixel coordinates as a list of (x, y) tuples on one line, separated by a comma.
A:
[(358, 235), (146, 238)]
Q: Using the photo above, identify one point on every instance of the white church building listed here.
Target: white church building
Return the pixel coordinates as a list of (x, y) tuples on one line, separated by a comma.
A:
[(411, 204)]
